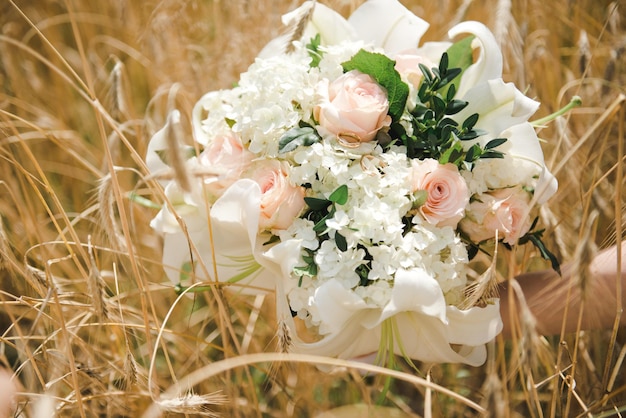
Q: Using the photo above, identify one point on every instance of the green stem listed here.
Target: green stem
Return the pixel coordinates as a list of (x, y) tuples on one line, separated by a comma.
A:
[(575, 102), (198, 289), (387, 336), (134, 197)]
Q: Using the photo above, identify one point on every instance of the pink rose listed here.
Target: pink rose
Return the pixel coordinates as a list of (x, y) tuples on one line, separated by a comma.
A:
[(407, 64), (353, 107), (447, 194), (281, 201), (224, 158), (502, 210)]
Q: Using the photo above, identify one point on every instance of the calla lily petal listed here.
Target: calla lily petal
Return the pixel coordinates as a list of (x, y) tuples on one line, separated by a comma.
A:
[(158, 143), (236, 215), (337, 304), (488, 66), (186, 208), (282, 258), (237, 259), (474, 326), (500, 105), (433, 50), (523, 144), (415, 290), (388, 24)]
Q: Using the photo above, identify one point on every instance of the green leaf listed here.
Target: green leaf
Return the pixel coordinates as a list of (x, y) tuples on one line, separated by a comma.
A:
[(460, 56), (496, 142), (296, 137), (230, 122), (451, 92), (309, 270), (382, 69), (473, 153), (440, 105), (450, 75), (340, 195), (426, 72), (452, 154), (341, 242), (455, 106), (321, 225), (443, 63), (545, 253), (317, 204), (469, 123), (313, 47), (492, 154), (185, 271)]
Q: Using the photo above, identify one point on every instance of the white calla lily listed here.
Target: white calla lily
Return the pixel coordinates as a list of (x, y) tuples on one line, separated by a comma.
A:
[(158, 144), (500, 105), (388, 24), (488, 66), (236, 256), (423, 326)]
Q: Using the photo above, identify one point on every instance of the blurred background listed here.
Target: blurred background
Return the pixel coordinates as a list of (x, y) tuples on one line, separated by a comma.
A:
[(89, 324)]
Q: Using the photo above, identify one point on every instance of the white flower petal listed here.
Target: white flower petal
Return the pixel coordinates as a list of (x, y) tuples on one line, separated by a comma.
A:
[(337, 304), (415, 291), (235, 216), (488, 66), (388, 24), (523, 144), (234, 220), (474, 326), (158, 143), (433, 50), (282, 258), (500, 105)]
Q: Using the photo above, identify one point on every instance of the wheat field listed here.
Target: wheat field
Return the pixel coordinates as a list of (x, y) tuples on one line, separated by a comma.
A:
[(91, 327)]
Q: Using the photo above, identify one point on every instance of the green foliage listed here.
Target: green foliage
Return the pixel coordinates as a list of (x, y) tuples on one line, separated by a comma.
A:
[(313, 47), (303, 135), (435, 134), (321, 210), (535, 238), (459, 56)]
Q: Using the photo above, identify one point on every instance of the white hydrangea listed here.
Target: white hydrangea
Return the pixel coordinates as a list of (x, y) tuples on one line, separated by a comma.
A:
[(333, 263)]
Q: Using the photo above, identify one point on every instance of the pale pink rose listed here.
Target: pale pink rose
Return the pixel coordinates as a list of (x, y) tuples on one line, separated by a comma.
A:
[(502, 210), (224, 159), (281, 201), (407, 64), (353, 107), (447, 191)]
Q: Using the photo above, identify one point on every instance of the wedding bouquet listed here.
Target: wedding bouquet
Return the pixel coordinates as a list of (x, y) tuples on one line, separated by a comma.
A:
[(355, 173)]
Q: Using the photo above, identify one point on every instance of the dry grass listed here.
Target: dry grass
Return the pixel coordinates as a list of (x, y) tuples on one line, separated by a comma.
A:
[(89, 324)]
